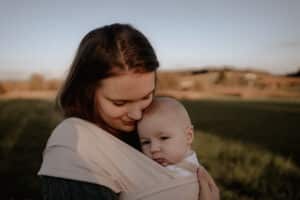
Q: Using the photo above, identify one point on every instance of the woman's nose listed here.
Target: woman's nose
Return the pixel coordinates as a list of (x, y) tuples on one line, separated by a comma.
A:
[(135, 113)]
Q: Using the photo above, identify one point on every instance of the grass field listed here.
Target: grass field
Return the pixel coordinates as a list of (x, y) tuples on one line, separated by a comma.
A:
[(250, 148), (270, 125)]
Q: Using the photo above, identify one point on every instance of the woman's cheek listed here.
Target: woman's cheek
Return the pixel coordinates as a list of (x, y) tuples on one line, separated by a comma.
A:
[(109, 110), (115, 111), (146, 103)]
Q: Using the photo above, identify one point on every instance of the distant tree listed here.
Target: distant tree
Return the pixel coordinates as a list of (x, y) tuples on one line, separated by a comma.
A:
[(53, 84), (221, 77), (2, 89), (167, 81), (294, 74), (200, 71), (36, 82)]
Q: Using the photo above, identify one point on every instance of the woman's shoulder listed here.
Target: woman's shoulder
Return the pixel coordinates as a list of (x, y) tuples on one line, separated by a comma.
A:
[(70, 122), (70, 129), (71, 125), (66, 132), (74, 122), (63, 134)]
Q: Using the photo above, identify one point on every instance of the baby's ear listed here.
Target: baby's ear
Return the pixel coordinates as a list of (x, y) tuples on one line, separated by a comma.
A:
[(190, 134)]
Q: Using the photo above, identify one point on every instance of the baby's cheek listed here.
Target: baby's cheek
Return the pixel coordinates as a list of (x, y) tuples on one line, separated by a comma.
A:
[(179, 156), (146, 151)]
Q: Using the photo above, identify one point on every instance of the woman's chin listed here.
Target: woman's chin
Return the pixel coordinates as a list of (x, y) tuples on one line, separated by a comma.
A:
[(127, 128)]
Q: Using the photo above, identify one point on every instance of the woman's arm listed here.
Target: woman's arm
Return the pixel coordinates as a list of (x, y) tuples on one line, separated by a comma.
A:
[(64, 189), (208, 189)]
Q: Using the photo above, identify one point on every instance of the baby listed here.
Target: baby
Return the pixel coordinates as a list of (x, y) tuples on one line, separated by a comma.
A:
[(166, 136)]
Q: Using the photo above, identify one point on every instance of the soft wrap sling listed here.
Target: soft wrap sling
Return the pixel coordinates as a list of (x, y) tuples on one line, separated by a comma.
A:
[(79, 150)]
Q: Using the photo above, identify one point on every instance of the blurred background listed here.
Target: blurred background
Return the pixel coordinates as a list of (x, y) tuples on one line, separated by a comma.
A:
[(234, 64)]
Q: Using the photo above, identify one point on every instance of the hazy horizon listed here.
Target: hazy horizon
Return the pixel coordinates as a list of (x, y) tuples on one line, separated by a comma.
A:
[(42, 37)]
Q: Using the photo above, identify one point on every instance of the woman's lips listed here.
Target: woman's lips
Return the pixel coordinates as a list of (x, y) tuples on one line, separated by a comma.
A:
[(131, 123)]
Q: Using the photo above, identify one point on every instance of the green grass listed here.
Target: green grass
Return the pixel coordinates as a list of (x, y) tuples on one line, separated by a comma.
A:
[(270, 125), (245, 171), (24, 126), (250, 148)]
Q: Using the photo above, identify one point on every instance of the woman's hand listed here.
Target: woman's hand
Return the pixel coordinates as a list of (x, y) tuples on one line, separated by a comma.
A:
[(208, 190)]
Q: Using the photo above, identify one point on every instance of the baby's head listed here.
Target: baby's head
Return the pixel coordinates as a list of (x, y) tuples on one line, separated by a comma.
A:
[(166, 132)]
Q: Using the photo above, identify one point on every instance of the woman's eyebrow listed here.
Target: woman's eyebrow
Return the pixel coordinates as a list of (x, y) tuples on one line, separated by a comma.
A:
[(126, 100)]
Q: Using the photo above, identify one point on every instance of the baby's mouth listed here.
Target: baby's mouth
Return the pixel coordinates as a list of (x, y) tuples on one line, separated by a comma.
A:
[(161, 161)]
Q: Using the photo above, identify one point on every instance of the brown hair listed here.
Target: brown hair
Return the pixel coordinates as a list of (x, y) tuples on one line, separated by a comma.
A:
[(102, 53)]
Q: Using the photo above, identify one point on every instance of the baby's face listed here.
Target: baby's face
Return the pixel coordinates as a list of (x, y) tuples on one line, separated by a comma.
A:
[(163, 141)]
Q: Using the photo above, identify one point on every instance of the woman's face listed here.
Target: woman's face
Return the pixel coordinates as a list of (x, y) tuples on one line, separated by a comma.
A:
[(120, 100)]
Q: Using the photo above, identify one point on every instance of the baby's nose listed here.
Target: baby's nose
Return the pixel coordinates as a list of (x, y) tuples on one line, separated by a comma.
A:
[(155, 147)]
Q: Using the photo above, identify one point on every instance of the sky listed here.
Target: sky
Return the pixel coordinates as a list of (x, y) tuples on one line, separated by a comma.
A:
[(40, 36)]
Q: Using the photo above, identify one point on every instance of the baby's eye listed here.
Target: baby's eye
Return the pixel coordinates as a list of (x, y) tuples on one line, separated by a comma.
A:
[(145, 142), (164, 137)]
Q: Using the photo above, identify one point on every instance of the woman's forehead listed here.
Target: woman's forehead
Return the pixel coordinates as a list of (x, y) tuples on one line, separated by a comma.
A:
[(128, 86)]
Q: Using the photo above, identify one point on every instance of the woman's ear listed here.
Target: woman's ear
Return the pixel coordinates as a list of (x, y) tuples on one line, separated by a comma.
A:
[(190, 134)]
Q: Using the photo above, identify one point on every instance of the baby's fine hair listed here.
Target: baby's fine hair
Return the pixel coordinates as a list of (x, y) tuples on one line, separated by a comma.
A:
[(170, 106)]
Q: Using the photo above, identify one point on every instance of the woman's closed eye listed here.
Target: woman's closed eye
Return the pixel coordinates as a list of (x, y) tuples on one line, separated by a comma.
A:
[(119, 103)]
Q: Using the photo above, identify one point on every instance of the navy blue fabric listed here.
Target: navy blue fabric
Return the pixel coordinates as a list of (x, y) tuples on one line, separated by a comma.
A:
[(64, 189)]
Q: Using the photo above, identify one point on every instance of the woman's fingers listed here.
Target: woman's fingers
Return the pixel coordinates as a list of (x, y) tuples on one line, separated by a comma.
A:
[(211, 182), (204, 191), (204, 176), (208, 189)]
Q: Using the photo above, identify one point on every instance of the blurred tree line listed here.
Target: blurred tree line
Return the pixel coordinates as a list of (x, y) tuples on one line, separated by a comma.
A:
[(36, 82)]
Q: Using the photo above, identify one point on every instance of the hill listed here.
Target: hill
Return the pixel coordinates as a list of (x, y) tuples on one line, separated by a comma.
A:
[(185, 84)]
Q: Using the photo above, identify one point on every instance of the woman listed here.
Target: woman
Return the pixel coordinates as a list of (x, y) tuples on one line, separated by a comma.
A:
[(110, 83)]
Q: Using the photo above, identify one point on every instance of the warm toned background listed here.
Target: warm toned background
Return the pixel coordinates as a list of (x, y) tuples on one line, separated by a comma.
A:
[(185, 84), (246, 129)]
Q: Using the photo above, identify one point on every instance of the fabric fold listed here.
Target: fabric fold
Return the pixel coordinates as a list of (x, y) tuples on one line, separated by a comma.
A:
[(80, 150)]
